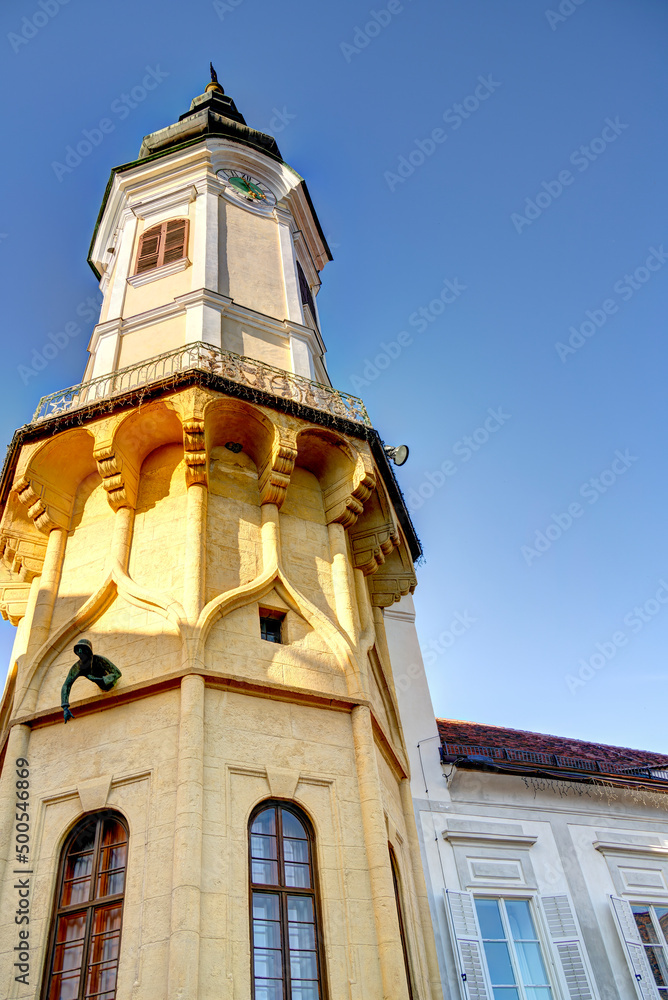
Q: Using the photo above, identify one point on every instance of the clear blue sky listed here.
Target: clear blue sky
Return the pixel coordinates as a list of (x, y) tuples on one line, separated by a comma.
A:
[(515, 92)]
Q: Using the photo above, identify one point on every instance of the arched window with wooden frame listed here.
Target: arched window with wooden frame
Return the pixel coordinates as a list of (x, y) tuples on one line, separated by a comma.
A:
[(287, 961), (86, 929), (400, 914), (165, 243)]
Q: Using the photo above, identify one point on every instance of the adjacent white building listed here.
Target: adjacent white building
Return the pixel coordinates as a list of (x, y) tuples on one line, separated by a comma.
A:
[(546, 858)]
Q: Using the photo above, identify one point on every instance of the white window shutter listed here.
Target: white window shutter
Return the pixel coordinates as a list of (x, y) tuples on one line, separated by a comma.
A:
[(468, 945), (634, 949), (568, 946)]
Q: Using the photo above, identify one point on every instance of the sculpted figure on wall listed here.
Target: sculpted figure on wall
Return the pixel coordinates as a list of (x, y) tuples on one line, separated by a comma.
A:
[(92, 666)]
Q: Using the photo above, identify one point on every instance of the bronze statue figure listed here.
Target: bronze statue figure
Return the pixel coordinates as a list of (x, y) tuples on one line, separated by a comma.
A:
[(95, 668)]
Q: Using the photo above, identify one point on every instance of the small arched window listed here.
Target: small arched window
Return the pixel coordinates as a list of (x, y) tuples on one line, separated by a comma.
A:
[(287, 960), (162, 244), (400, 915), (86, 932)]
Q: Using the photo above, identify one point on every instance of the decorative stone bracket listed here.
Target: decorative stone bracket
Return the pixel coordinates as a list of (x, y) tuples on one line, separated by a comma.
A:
[(274, 476), (344, 501), (119, 478), (47, 507), (22, 556), (14, 601)]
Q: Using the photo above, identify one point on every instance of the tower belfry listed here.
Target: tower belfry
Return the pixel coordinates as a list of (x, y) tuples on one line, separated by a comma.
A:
[(198, 543)]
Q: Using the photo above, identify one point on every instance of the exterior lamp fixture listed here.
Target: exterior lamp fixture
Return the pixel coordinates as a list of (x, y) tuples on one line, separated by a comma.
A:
[(398, 455)]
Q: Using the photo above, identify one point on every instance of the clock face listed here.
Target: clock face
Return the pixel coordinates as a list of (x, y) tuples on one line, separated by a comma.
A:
[(248, 189)]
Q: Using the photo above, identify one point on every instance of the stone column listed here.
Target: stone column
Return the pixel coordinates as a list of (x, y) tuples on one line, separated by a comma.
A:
[(390, 952), (124, 520), (195, 561), (343, 591), (187, 871), (49, 582), (271, 535)]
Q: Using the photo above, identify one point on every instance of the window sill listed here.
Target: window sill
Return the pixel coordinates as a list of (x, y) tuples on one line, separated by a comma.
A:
[(136, 280)]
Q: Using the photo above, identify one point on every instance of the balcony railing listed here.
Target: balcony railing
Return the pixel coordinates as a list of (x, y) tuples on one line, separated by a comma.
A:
[(205, 357)]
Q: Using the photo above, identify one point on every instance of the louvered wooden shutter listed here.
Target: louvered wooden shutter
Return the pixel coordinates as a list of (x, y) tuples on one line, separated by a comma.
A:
[(468, 945), (149, 250), (568, 946), (162, 244), (174, 245), (634, 950)]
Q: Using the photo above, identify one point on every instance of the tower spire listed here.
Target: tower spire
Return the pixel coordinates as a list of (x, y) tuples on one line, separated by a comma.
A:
[(214, 85)]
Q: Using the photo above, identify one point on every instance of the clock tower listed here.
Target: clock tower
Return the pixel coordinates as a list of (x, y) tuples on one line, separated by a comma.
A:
[(199, 542)]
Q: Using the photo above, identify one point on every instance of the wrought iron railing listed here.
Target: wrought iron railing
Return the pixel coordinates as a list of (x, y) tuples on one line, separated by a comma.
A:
[(600, 765), (205, 357)]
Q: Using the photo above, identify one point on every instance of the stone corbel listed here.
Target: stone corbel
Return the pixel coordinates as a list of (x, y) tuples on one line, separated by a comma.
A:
[(370, 546), (274, 476), (14, 601), (394, 580), (22, 556), (194, 452), (344, 501), (190, 406), (47, 508), (119, 478)]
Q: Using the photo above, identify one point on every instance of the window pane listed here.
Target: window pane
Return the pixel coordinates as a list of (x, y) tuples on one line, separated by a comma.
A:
[(661, 913), (519, 918), (292, 827), (300, 908), (295, 850), (265, 822), (297, 876), (64, 987), (645, 925), (489, 918), (76, 887), (266, 989), (532, 969), (69, 943), (266, 934), (268, 963), (262, 846), (657, 960), (539, 993), (303, 965), (302, 936), (505, 993), (265, 906), (498, 961), (304, 991), (265, 872), (111, 877)]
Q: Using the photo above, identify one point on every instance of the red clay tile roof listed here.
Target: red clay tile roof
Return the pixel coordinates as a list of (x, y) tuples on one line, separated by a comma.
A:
[(453, 731)]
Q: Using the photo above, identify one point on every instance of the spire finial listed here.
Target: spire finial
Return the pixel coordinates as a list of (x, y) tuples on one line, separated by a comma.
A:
[(214, 85)]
